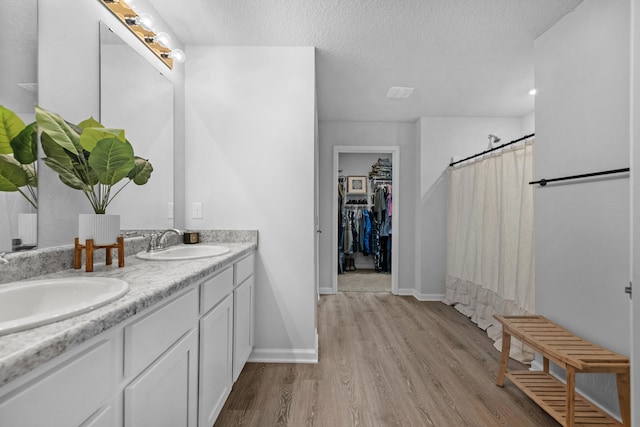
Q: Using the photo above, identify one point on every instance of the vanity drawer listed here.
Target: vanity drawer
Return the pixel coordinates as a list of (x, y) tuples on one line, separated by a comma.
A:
[(149, 337), (244, 269), (65, 396), (214, 289)]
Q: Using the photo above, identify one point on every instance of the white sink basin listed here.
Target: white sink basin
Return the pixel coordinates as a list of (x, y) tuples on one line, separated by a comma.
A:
[(24, 305), (184, 252)]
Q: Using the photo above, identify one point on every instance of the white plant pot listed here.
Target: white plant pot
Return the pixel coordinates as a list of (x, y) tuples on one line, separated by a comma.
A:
[(102, 228), (28, 228)]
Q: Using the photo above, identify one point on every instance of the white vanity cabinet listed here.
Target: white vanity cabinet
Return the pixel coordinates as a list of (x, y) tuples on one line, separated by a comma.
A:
[(173, 364), (243, 313)]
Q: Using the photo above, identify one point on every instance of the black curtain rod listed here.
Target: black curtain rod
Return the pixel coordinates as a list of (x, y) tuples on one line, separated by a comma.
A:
[(492, 149), (544, 182)]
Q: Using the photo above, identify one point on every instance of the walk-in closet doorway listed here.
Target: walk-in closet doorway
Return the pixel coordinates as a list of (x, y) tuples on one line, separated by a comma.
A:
[(393, 153)]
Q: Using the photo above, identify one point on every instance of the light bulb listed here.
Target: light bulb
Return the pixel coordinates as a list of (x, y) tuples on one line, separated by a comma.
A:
[(177, 55), (145, 21), (163, 39)]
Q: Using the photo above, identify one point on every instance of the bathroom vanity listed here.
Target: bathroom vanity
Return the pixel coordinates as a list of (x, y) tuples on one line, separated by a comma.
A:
[(165, 354)]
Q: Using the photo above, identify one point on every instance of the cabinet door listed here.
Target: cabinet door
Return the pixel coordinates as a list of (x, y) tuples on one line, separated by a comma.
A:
[(65, 396), (216, 360), (242, 325), (164, 395)]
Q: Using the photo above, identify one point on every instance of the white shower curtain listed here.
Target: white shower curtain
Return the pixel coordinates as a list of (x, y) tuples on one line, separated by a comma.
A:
[(490, 241)]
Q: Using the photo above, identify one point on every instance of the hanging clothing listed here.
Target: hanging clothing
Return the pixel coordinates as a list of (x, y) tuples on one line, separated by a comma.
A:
[(348, 236), (379, 204), (341, 224), (375, 241), (367, 233), (389, 201)]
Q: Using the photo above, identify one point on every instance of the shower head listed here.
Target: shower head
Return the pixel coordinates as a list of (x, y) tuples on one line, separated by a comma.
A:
[(493, 139)]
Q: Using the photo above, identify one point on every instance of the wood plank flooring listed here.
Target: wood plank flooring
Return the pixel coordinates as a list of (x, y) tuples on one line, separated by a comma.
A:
[(385, 360)]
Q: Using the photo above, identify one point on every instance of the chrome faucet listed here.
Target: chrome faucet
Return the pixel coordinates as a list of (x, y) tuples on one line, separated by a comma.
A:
[(157, 241)]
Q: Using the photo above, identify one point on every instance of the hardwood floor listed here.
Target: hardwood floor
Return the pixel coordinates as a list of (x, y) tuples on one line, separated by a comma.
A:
[(385, 361)]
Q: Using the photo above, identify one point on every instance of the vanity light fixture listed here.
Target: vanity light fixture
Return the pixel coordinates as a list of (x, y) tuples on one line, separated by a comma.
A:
[(141, 24)]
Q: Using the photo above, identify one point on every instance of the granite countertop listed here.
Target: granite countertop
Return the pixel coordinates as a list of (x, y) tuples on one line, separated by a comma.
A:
[(149, 283)]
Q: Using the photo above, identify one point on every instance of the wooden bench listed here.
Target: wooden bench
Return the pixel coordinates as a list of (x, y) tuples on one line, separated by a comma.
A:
[(575, 355)]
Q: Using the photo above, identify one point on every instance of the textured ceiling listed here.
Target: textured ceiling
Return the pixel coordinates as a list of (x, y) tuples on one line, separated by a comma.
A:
[(463, 57)]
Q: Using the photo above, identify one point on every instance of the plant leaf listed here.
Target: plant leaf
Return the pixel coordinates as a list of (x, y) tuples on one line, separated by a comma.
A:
[(61, 132), (25, 145), (10, 127), (58, 153), (90, 136), (11, 174), (112, 160), (32, 175), (68, 177), (90, 123), (141, 172)]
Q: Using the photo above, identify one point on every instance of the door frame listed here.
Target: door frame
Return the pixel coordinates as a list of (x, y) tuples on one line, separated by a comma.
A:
[(394, 150)]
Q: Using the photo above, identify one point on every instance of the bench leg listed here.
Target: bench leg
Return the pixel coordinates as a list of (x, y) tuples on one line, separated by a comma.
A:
[(571, 394), (545, 364), (504, 357), (624, 397)]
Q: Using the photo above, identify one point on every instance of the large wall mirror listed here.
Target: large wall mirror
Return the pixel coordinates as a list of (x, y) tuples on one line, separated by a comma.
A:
[(18, 93), (136, 97)]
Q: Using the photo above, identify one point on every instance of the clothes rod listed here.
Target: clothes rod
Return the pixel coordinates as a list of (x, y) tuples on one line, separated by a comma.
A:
[(492, 149), (544, 182)]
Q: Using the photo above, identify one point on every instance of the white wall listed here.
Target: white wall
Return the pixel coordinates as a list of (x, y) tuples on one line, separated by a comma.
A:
[(528, 123), (582, 228), (442, 138), (358, 163), (250, 156), (370, 134), (68, 84)]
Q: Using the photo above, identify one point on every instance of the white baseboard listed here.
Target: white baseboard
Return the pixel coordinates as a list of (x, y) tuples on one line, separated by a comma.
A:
[(285, 355), (419, 296), (326, 291)]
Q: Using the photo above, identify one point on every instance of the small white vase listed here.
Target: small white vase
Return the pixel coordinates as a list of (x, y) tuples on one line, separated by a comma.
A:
[(28, 228), (102, 228)]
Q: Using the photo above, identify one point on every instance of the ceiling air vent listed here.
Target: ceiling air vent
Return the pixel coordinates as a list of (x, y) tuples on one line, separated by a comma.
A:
[(399, 92)]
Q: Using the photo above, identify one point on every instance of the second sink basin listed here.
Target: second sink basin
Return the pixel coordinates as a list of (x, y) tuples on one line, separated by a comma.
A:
[(27, 304), (184, 252)]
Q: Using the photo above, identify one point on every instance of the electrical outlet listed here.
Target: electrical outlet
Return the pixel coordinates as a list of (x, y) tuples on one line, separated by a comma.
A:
[(196, 210), (170, 210)]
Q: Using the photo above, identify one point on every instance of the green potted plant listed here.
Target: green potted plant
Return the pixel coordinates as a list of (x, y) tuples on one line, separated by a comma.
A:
[(18, 155), (96, 160)]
